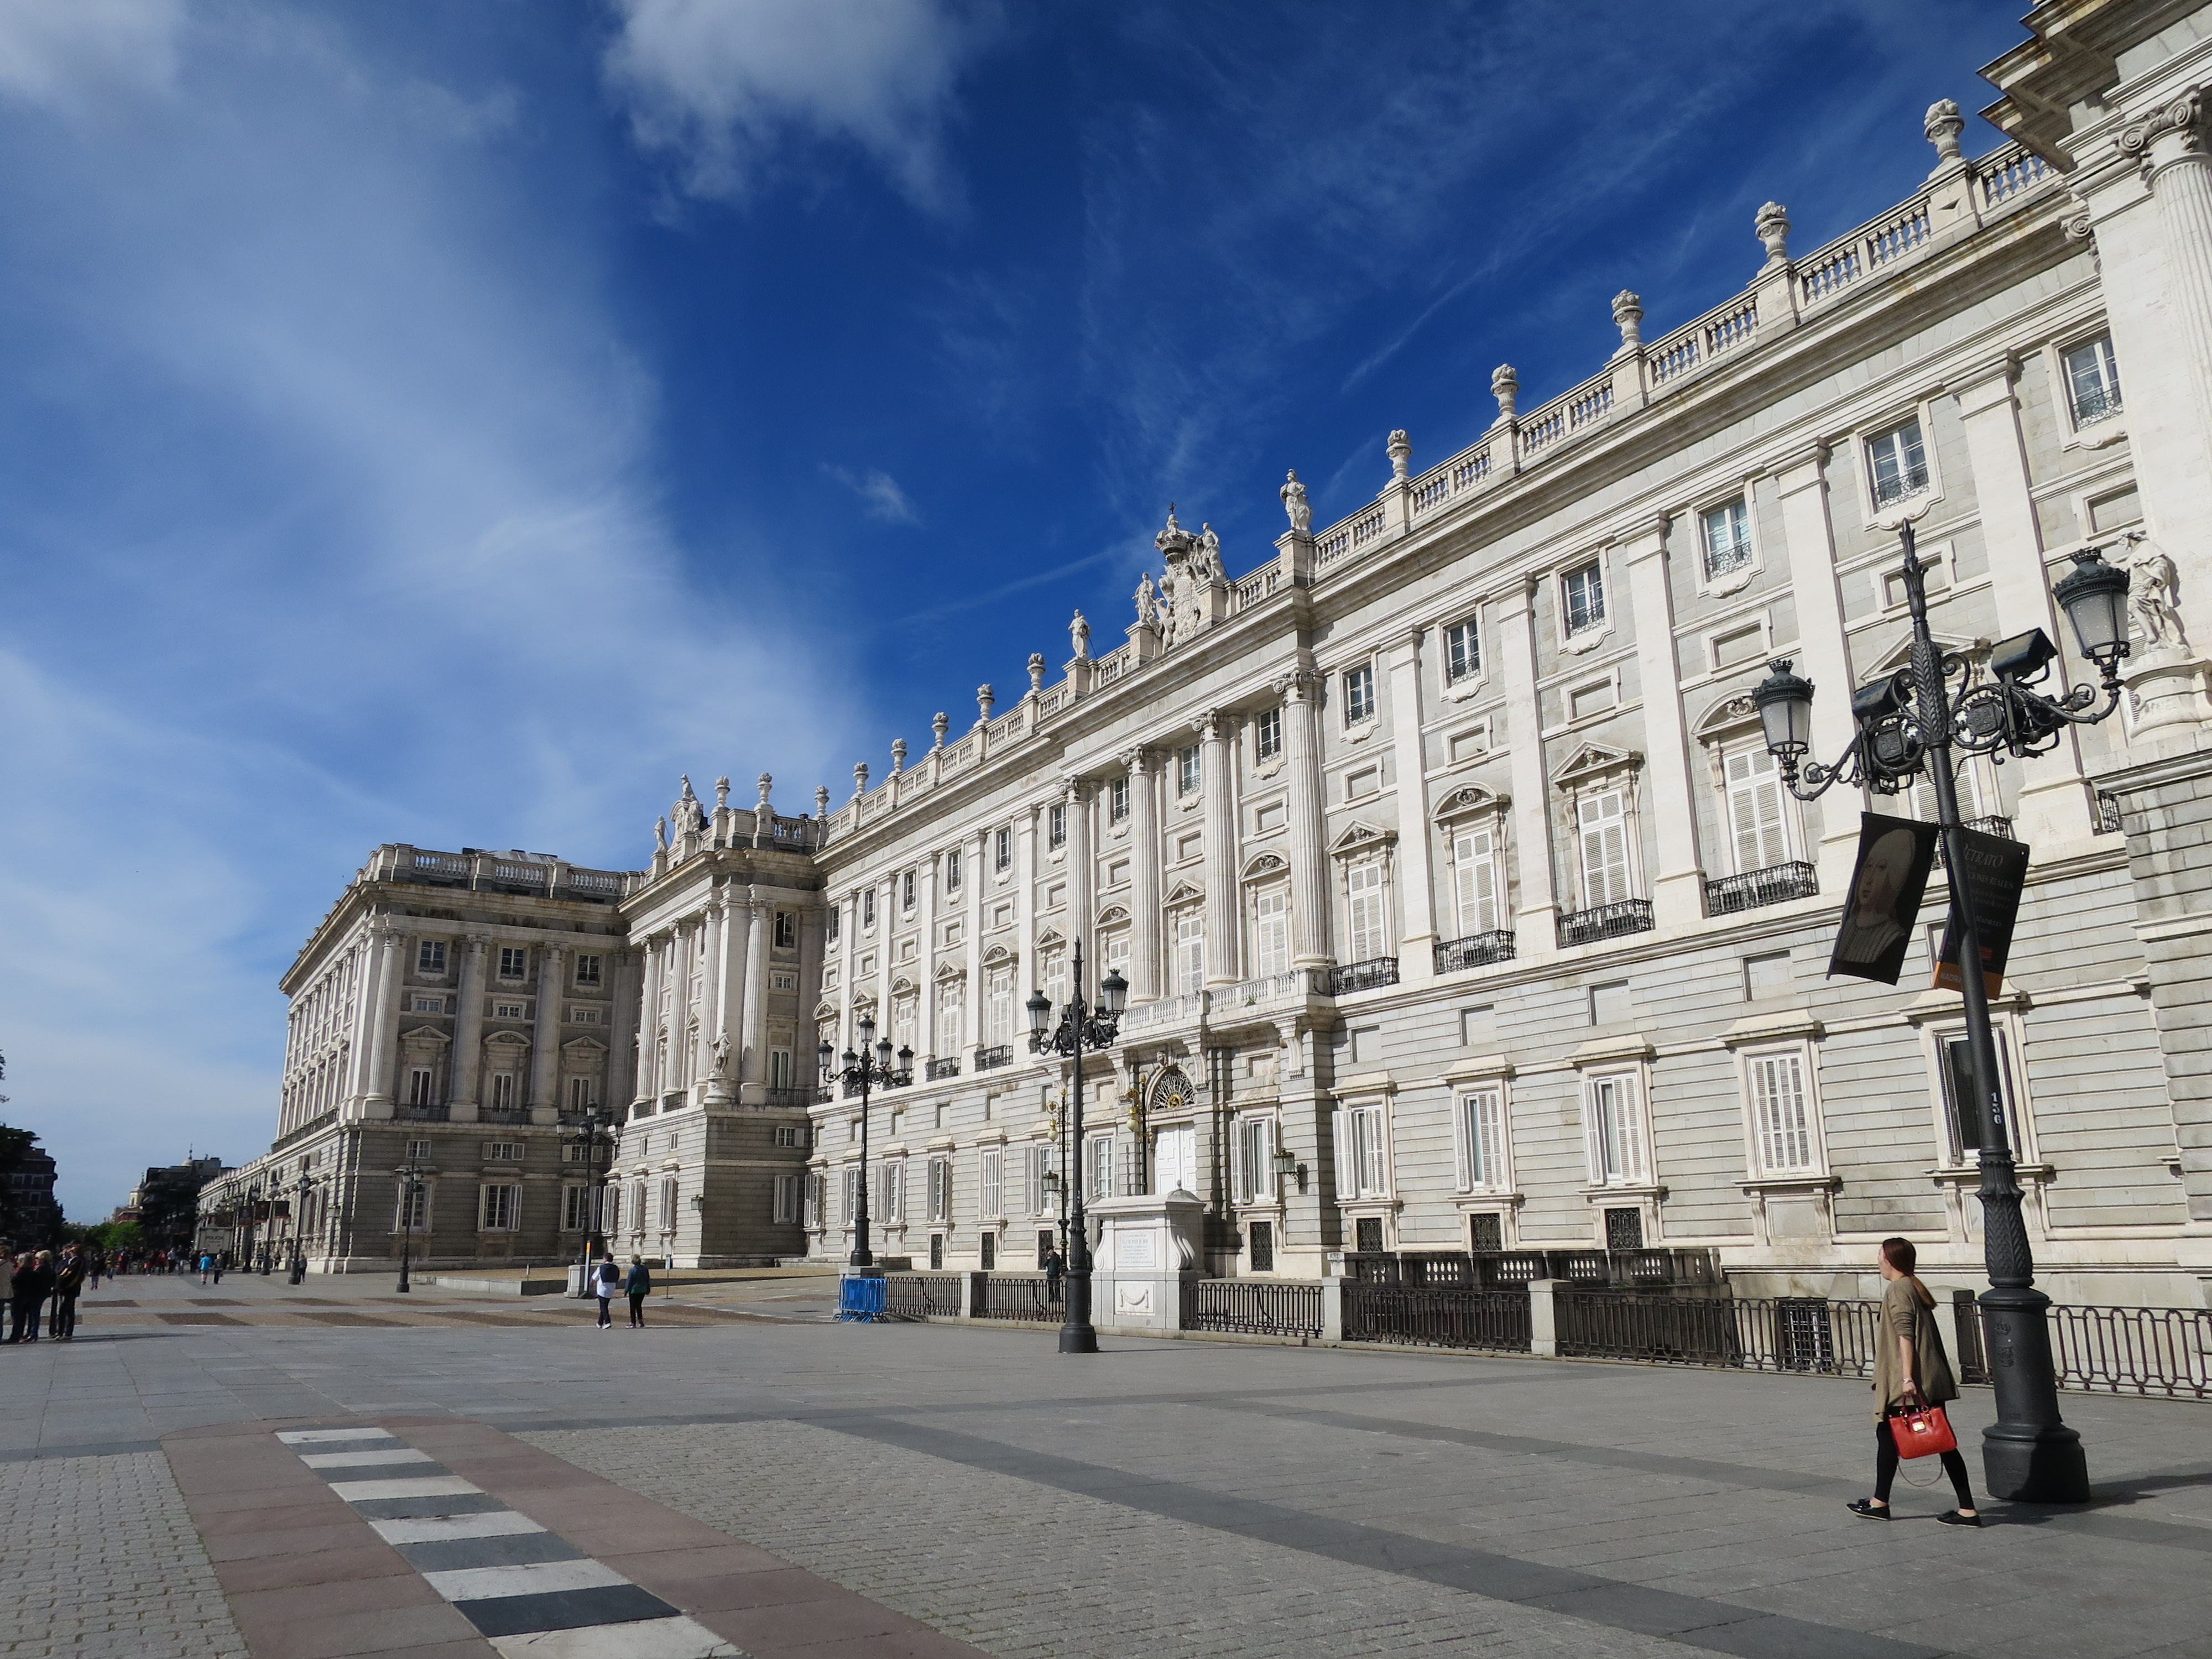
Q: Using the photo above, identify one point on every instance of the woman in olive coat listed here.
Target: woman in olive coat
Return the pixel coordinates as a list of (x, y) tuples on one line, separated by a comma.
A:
[(1910, 1373)]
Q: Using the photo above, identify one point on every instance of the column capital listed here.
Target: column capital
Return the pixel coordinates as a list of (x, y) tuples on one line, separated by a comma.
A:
[(1138, 760), (1988, 385), (1299, 685), (1217, 725), (1805, 467), (2173, 133)]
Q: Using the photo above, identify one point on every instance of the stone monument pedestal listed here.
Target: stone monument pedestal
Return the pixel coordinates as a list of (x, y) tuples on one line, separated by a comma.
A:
[(1149, 1248)]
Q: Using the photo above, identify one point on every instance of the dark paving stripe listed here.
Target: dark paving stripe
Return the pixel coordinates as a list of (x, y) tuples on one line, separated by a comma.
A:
[(214, 1302), (518, 1549), (365, 1319), (1694, 1621), (423, 1509), (478, 1318), (90, 1449), (605, 1604), (198, 1319), (382, 1471)]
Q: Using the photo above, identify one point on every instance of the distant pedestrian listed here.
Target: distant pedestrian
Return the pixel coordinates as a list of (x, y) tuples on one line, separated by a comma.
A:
[(1054, 1267), (222, 1259), (34, 1282), (207, 1266), (1911, 1372), (639, 1287), (69, 1285), (7, 1284), (606, 1278)]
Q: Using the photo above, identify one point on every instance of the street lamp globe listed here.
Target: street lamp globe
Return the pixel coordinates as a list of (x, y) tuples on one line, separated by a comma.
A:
[(823, 1057), (883, 1053), (867, 1030), (1040, 1007), (1112, 993), (1785, 710), (2094, 597)]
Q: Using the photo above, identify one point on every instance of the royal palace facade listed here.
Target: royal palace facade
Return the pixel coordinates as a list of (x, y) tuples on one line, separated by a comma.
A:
[(1460, 904)]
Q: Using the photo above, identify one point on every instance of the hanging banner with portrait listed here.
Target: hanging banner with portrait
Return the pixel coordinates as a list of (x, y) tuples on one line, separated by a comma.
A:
[(1888, 884)]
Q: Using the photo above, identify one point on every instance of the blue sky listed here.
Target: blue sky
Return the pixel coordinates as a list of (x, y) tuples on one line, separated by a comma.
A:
[(446, 422)]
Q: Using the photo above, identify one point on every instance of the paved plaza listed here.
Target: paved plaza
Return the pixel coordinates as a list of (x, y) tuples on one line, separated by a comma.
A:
[(744, 1476)]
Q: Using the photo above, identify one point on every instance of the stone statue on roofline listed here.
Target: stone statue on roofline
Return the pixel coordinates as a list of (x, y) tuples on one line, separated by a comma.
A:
[(1295, 504), (1206, 561), (1078, 635), (1148, 602)]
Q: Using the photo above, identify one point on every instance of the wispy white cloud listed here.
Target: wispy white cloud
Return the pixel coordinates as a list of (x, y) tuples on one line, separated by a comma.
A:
[(333, 521), (74, 56), (720, 88), (879, 493)]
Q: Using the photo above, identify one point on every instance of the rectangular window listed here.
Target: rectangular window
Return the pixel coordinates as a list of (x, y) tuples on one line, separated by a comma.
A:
[(1781, 1113), (890, 1191), (1252, 1169), (580, 1093), (1117, 800), (905, 893), (1609, 1004), (503, 1091), (779, 1068), (1898, 463), (1962, 1119), (502, 1204), (1462, 652), (1755, 812), (1036, 1196), (1098, 1166), (789, 1197), (1727, 536), (1360, 693), (1190, 772), (993, 1196), (513, 962), (1602, 822), (1582, 596), (429, 1004), (1481, 1140), (1190, 953), (412, 1211), (2092, 382), (587, 971), (1117, 955), (952, 869), (1056, 820), (1002, 849), (1612, 1128), (836, 922), (1362, 1169), (1267, 734), (417, 1150), (418, 1086), (1475, 881), (951, 997), (868, 908), (583, 1016), (787, 928), (999, 1008), (503, 1151), (1271, 931), (1368, 911), (575, 1208), (610, 1208), (430, 956), (940, 1189)]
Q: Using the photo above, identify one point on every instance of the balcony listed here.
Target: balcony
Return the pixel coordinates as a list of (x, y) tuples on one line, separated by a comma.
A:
[(422, 1113), (989, 1060), (1475, 950), (1363, 976), (937, 1070), (1604, 922), (1899, 485), (1755, 888), (824, 1093), (2100, 403), (783, 1096)]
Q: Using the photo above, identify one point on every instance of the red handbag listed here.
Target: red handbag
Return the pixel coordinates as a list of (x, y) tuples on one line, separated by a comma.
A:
[(1924, 1433)]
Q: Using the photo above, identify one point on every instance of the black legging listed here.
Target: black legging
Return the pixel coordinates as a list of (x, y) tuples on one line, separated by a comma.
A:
[(1885, 1468)]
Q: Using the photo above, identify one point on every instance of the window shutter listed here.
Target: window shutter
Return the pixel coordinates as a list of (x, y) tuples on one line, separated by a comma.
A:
[(1374, 1165), (1491, 1123), (1239, 1163), (1466, 1158), (1595, 1105), (1347, 1175)]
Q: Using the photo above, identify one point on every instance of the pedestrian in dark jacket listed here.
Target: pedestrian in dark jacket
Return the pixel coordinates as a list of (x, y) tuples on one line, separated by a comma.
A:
[(605, 1277), (34, 1283), (639, 1285), (69, 1285)]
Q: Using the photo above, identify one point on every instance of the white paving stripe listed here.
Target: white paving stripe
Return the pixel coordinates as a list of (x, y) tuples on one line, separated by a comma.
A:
[(431, 1529), (428, 1485), (324, 1436), (646, 1638), (536, 1578), (364, 1458)]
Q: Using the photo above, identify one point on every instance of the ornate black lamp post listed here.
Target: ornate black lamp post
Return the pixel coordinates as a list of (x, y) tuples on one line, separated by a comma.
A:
[(298, 1263), (590, 1134), (411, 1187), (252, 1215), (864, 1071), (1908, 724), (1080, 1027)]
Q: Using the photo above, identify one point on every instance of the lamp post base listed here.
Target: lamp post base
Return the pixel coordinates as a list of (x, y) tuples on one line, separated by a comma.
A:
[(1078, 1338), (2039, 1466), (2029, 1455)]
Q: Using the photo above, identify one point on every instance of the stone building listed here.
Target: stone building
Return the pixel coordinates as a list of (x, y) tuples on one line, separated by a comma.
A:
[(453, 1012)]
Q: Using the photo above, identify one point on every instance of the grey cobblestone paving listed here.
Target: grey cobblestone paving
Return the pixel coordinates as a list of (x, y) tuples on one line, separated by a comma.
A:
[(104, 1564), (1025, 1572)]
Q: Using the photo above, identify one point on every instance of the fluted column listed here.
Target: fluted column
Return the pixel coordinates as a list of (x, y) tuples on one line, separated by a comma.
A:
[(1310, 932), (1823, 655), (545, 1034), (1145, 953), (727, 1040), (1417, 893), (753, 1043), (1217, 759), (648, 1086), (468, 1032), (1536, 919), (1678, 882)]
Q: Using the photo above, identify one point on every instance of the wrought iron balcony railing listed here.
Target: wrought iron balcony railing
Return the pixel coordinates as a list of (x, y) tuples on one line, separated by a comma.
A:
[(937, 1070), (1778, 883), (1475, 950), (1363, 976), (1604, 922), (989, 1060)]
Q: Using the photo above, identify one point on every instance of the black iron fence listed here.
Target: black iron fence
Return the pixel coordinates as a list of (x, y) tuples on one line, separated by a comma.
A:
[(1604, 922), (1014, 1298), (1759, 1333), (2165, 1351), (1502, 1269), (1254, 1307), (922, 1296), (1496, 1320), (1755, 889), (1363, 976), (1475, 950)]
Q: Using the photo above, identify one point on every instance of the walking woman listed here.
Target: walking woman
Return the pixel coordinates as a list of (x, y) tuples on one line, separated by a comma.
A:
[(605, 1276), (1910, 1373), (639, 1285)]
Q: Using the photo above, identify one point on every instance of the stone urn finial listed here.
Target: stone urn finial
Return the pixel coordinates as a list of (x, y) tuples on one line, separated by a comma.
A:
[(1944, 123), (763, 783), (1505, 387), (1401, 452), (898, 754), (985, 698), (1772, 229), (1628, 318), (1036, 672), (821, 800), (859, 777), (940, 727), (721, 793)]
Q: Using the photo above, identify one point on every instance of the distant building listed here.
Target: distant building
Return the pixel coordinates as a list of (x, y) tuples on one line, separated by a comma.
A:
[(32, 1216), (164, 1202)]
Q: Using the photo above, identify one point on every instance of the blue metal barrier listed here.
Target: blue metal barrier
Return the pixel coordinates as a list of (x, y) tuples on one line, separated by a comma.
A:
[(860, 1298)]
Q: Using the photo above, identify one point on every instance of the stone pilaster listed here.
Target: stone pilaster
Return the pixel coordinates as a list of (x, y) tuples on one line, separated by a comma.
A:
[(1536, 916), (468, 1031), (1417, 891), (752, 1040), (1310, 932), (1678, 881), (1145, 953), (1823, 655), (1218, 751)]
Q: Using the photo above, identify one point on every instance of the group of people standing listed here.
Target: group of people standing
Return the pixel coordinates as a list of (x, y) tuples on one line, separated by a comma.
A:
[(608, 1280), (36, 1277)]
